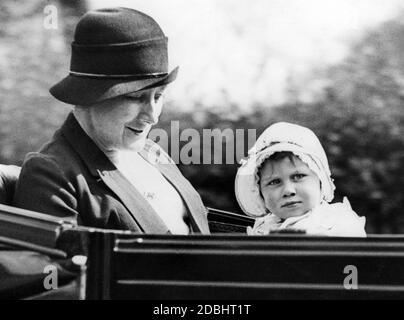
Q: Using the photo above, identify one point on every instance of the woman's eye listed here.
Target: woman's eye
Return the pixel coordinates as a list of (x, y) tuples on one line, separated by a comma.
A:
[(134, 98), (158, 96)]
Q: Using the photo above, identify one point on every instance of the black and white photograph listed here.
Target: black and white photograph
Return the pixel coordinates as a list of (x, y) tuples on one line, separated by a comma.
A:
[(201, 157)]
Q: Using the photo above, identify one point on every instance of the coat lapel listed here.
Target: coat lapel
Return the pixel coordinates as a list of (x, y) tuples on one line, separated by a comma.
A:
[(140, 209), (197, 211)]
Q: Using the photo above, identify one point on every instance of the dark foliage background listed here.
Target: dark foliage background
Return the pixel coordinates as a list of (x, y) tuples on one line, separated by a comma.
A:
[(358, 115)]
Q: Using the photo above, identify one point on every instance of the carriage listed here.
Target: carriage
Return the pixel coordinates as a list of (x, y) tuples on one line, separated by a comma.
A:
[(43, 257)]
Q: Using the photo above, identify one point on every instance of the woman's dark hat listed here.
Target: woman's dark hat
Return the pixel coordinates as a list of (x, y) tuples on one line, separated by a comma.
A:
[(115, 51)]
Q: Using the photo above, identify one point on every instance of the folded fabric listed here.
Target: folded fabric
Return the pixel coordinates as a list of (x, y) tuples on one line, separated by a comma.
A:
[(337, 219)]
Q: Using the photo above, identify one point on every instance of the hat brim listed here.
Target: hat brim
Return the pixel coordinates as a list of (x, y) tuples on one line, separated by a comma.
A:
[(86, 91)]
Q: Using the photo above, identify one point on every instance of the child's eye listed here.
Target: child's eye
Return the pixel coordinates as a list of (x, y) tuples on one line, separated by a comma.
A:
[(298, 176), (274, 182)]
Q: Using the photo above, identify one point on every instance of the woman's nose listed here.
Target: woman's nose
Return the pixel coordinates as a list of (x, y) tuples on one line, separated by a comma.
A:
[(150, 111)]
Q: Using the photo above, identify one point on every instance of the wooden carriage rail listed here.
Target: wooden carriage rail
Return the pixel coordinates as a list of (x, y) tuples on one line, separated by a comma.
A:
[(31, 227), (53, 253), (44, 230), (240, 267), (60, 238)]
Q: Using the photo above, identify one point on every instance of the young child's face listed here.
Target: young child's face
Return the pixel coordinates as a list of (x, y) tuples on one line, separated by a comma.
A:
[(290, 189)]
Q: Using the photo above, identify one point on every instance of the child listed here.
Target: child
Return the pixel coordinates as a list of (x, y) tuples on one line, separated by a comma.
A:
[(286, 184)]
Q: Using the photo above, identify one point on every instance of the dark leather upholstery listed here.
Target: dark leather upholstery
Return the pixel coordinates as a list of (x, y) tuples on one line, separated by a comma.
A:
[(8, 180)]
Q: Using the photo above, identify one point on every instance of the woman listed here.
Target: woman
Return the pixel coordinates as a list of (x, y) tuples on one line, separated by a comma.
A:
[(100, 169)]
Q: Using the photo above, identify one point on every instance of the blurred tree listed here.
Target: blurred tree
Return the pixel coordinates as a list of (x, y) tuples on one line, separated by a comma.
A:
[(71, 11), (32, 59)]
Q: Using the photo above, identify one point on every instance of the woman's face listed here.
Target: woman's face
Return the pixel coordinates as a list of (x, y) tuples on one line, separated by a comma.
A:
[(290, 189), (123, 123)]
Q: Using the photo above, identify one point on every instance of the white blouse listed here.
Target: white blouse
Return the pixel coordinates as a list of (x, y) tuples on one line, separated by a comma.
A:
[(155, 188)]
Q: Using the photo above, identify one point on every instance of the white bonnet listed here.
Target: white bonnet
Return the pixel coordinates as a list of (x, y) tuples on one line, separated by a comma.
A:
[(281, 136)]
